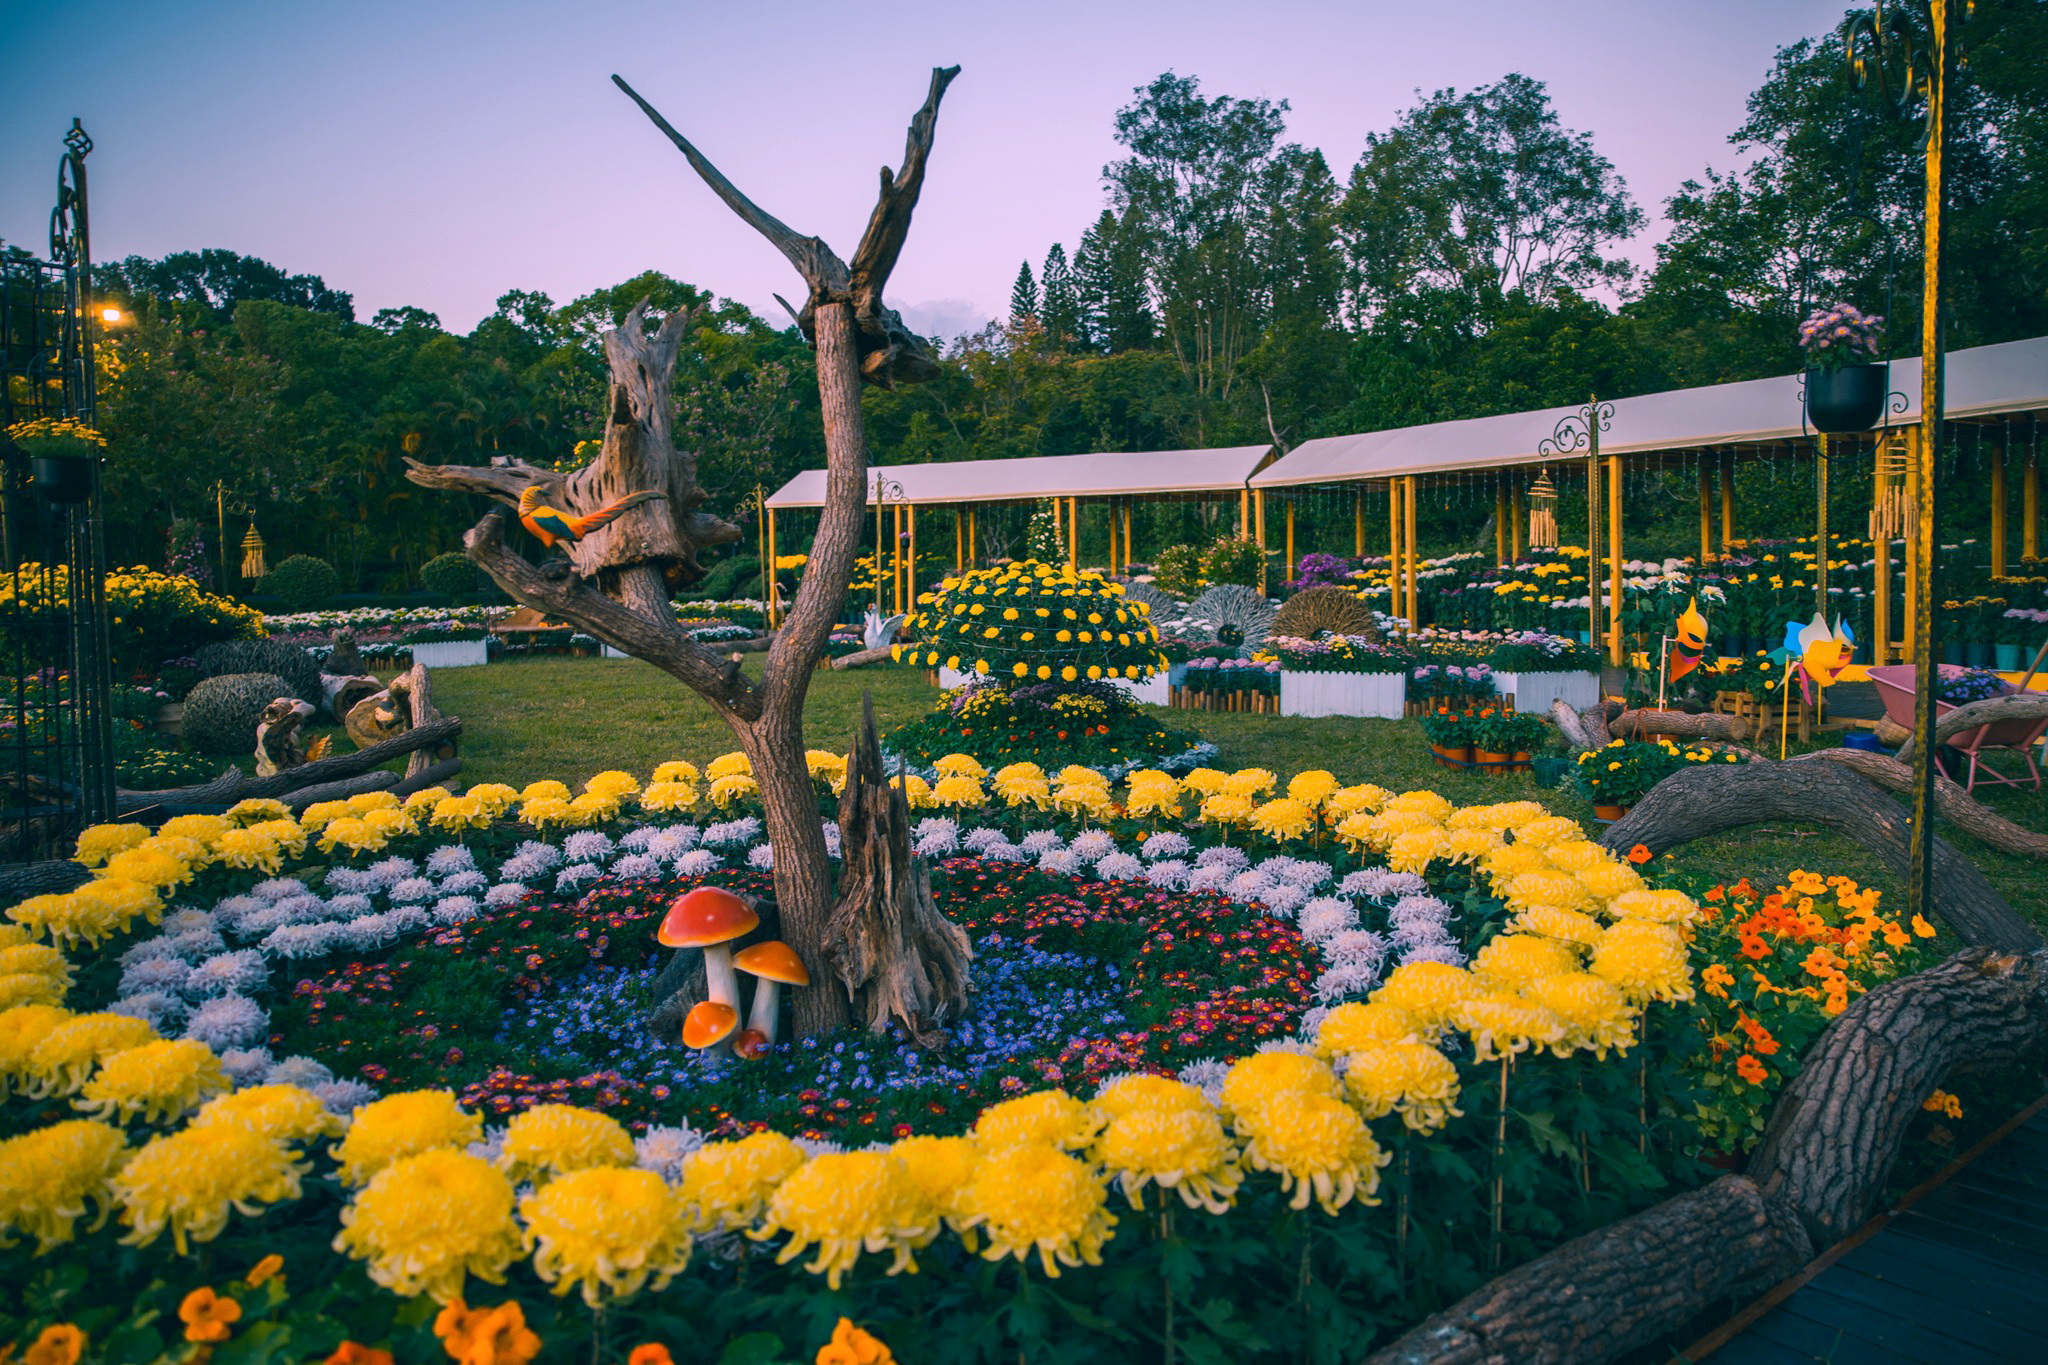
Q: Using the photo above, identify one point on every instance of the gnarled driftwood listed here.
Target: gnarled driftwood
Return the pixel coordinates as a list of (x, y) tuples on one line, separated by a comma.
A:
[(1970, 715)]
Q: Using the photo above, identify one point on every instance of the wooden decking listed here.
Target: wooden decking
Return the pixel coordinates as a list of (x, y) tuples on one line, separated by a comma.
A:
[(1957, 1275)]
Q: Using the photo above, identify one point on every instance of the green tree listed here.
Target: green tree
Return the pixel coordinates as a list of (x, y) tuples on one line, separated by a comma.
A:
[(219, 280), (1023, 297), (1059, 305), (1109, 284)]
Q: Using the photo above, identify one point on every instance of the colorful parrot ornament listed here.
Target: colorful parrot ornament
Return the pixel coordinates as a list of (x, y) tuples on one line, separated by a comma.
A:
[(553, 527), (1688, 645)]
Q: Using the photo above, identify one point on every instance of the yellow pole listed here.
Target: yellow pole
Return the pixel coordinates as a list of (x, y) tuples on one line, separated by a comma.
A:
[(774, 583), (1358, 523), (879, 549), (1614, 560), (973, 537), (959, 541), (1408, 538), (1998, 513), (896, 558), (1820, 528), (1244, 514), (1706, 517), (910, 564), (1073, 533), (1727, 501), (1517, 518), (1500, 523), (1395, 595), (1880, 581), (1595, 631), (1909, 623), (2030, 509), (1259, 528), (1290, 538), (1127, 537)]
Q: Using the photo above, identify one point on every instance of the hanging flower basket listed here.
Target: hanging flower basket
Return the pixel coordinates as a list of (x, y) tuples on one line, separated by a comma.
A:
[(62, 479), (1845, 399)]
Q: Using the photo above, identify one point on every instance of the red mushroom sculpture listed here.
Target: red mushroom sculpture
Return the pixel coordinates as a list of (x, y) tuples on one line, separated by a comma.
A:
[(773, 965)]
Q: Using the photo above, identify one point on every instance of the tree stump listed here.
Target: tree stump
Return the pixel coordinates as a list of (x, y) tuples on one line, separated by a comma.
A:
[(897, 956)]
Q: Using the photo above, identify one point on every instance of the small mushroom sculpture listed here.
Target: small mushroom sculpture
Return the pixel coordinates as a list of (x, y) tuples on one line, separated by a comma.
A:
[(773, 965), (710, 918)]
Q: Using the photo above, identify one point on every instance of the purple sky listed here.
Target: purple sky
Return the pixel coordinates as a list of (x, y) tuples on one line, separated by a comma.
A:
[(440, 152)]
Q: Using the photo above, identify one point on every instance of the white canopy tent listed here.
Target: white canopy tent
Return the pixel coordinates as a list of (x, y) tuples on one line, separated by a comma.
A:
[(1110, 474)]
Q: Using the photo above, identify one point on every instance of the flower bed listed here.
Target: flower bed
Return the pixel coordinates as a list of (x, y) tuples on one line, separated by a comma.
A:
[(1092, 723)]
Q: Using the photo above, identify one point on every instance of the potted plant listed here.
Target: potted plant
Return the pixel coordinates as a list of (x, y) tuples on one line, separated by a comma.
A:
[(1505, 739), (1339, 675), (61, 451), (1450, 736), (1845, 386)]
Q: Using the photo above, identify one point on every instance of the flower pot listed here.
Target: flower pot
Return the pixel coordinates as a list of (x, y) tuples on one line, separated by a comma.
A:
[(1518, 761), (1847, 399), (1458, 756), (2011, 658), (1976, 655), (1492, 760), (62, 478), (1609, 813), (1951, 653)]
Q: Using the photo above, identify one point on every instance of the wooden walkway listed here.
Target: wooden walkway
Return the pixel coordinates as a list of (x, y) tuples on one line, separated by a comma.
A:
[(1956, 1275)]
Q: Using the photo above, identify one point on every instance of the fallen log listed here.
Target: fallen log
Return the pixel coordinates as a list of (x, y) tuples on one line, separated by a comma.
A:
[(35, 879), (1955, 805), (1706, 725), (232, 786), (1582, 730), (1712, 799), (1970, 715), (342, 790), (1836, 1129), (862, 658)]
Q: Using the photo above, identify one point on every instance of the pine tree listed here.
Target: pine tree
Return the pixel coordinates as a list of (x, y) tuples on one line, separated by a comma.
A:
[(1109, 286), (1060, 304), (1023, 297)]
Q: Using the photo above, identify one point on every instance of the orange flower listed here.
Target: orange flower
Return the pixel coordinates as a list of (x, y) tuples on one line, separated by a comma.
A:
[(852, 1346), (62, 1344), (1921, 928), (263, 1270), (650, 1353), (1941, 1102), (486, 1336), (207, 1316), (1760, 1037), (1754, 946), (1750, 1069), (355, 1353), (1717, 979), (1822, 963), (1744, 890), (1716, 894), (1640, 855)]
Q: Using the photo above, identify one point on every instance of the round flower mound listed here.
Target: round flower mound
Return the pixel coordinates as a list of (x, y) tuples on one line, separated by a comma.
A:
[(1051, 1117), (1405, 1077), (1501, 1025), (189, 1180), (287, 1114), (728, 1184), (1318, 1146), (554, 1139), (1354, 1025), (400, 1126), (68, 1054), (939, 1170), (1253, 1081), (36, 959), (1182, 1149), (1595, 1014), (158, 1081), (1036, 1198), (30, 988), (606, 1229), (1430, 991), (845, 1203), (22, 1028), (1140, 1090), (1032, 620), (50, 1175), (1510, 961), (1644, 960), (424, 1222)]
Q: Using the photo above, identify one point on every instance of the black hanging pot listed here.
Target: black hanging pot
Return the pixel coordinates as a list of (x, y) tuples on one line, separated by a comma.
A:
[(1849, 398), (62, 478)]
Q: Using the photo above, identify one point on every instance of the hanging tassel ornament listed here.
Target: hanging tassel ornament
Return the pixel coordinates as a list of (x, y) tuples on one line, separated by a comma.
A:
[(252, 554), (1891, 514), (1543, 512)]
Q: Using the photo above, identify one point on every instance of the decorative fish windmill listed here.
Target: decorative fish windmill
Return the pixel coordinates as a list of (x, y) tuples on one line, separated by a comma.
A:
[(1683, 650)]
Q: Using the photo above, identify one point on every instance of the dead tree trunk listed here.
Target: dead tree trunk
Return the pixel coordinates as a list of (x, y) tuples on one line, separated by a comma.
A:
[(1956, 806), (1582, 730), (897, 955), (2012, 706), (617, 584), (1705, 725), (1711, 799)]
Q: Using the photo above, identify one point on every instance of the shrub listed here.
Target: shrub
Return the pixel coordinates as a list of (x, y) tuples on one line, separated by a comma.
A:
[(303, 582), (1233, 560), (288, 661), (739, 576), (176, 676), (1179, 570), (1032, 621), (155, 767), (450, 575), (221, 713), (150, 615)]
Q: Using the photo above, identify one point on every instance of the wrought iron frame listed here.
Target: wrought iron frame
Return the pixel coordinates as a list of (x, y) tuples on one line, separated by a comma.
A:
[(1576, 431)]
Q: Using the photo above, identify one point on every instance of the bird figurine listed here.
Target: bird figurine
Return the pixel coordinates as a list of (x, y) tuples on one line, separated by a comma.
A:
[(553, 527)]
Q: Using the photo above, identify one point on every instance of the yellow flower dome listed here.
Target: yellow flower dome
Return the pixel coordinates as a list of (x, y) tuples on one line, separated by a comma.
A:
[(1502, 1024), (1544, 888), (97, 843), (1364, 799), (1206, 781), (960, 765), (731, 788), (1471, 846), (594, 808), (36, 959), (1286, 818), (1414, 850), (661, 798), (734, 764), (545, 812), (1435, 805), (204, 828), (1137, 1090), (1547, 830), (959, 791), (614, 783), (426, 1222), (352, 834), (65, 1057), (1429, 991), (1252, 1081), (151, 866), (1017, 772), (1658, 907), (1508, 961), (1604, 881), (362, 803), (255, 810), (188, 1181), (1353, 1025), (50, 1176), (457, 814), (607, 1231), (157, 1082), (286, 1114), (1226, 810), (321, 814), (1595, 1014), (1508, 861), (30, 988), (728, 1184), (426, 798), (1313, 786), (1576, 855), (22, 1027), (1082, 799), (249, 849), (1318, 1146), (1499, 816), (1024, 790), (1075, 775), (1405, 1077), (675, 770), (1644, 960), (1250, 783), (844, 1203), (547, 789), (939, 1169), (402, 1125), (553, 1139), (1038, 1199), (1051, 1117), (497, 797), (1567, 926), (1154, 798), (1181, 1149)]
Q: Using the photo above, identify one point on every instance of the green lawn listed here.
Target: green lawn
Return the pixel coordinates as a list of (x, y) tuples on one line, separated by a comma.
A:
[(569, 718)]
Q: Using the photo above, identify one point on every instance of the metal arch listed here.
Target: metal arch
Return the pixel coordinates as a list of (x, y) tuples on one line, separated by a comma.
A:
[(1576, 431)]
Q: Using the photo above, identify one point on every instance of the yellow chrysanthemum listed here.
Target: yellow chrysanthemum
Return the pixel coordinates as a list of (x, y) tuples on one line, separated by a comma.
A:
[(1313, 787), (664, 797), (22, 1028), (1501, 1024), (939, 1169), (728, 1184), (1017, 772), (188, 1181), (352, 834), (545, 812), (459, 813), (1226, 809), (1415, 849), (844, 1203), (1430, 991), (607, 1231), (614, 783), (1206, 781), (1161, 799), (97, 843), (1250, 783), (729, 765), (1567, 926), (49, 1176), (1081, 798), (157, 1081), (1544, 888), (1137, 1090), (1363, 799), (1595, 1014), (30, 988), (1508, 961), (1181, 1148), (321, 814), (675, 770), (1435, 805), (151, 866), (497, 797), (1353, 1025), (425, 1222), (1645, 961), (959, 765), (1286, 818), (403, 1125), (1253, 1081), (249, 849), (1576, 855), (362, 803), (1512, 860), (36, 959), (1605, 881), (592, 808), (1403, 1077), (290, 835), (547, 789), (426, 798), (962, 791), (66, 1056), (1024, 791), (286, 1114), (553, 1139), (1658, 907), (1546, 830), (732, 787), (204, 828), (1318, 1146), (1051, 1117), (1036, 1198)]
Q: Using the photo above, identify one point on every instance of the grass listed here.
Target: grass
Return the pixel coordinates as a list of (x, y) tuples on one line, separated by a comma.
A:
[(568, 718)]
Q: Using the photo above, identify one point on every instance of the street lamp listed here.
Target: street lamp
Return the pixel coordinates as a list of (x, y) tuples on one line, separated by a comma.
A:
[(110, 315)]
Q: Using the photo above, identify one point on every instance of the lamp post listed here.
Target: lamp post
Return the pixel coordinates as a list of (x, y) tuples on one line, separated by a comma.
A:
[(1912, 69)]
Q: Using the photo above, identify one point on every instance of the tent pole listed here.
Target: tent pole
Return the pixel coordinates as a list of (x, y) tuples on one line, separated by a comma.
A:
[(1127, 537), (1358, 523), (1244, 514), (1259, 529), (1880, 579), (1595, 584), (1408, 537), (1290, 538), (1909, 621), (1998, 512), (959, 541), (973, 535), (1614, 576), (1073, 533), (2030, 508), (1706, 517), (774, 585), (1500, 522), (910, 565), (1517, 512), (1727, 501), (1820, 527)]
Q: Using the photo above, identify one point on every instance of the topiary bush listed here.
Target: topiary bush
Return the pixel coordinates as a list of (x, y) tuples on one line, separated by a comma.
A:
[(450, 575), (300, 671), (1179, 570), (221, 713), (1233, 560), (304, 582)]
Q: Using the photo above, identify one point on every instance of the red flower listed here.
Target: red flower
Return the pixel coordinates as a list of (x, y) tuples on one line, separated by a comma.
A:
[(1640, 855)]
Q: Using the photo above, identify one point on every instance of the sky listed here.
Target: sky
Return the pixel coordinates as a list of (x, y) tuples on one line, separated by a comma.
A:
[(438, 153)]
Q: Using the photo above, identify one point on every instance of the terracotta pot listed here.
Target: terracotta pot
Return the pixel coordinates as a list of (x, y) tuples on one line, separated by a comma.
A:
[(1601, 812), (1459, 755), (1492, 757), (1520, 759)]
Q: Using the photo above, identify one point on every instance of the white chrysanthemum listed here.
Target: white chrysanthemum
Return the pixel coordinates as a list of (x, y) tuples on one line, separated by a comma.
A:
[(1170, 875), (546, 855), (1356, 945), (1215, 877), (236, 973), (577, 875), (1325, 917), (166, 974), (1039, 841), (636, 867), (1164, 846), (1061, 861), (664, 1150), (1207, 1076), (247, 1065), (673, 842), (367, 934), (228, 1021), (188, 919), (464, 883), (1120, 867), (935, 846), (1306, 873), (744, 830), (981, 839), (301, 1071), (1005, 853), (1446, 953), (388, 872), (1282, 899), (1246, 885), (343, 1097), (761, 857), (232, 909), (195, 945), (449, 859), (504, 894), (936, 824), (295, 941), (1346, 979), (1223, 855), (411, 891), (346, 906), (587, 846), (159, 1009), (635, 840), (277, 888), (520, 867), (452, 910), (1092, 845), (831, 838), (697, 862)]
